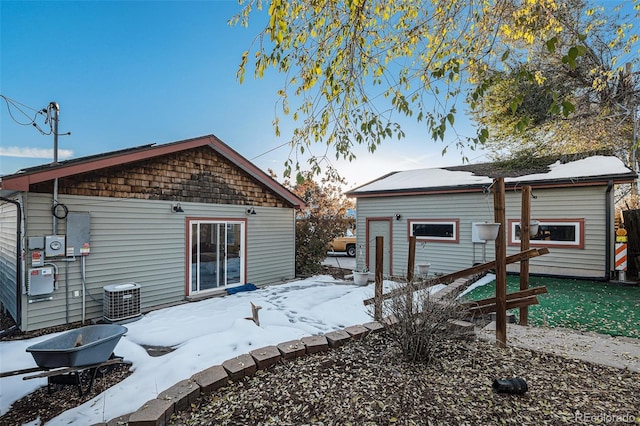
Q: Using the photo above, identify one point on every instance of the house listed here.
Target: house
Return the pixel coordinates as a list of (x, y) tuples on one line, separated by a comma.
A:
[(152, 225), (572, 200)]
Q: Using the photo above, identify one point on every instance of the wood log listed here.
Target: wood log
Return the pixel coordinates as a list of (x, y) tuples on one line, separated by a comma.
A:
[(254, 313)]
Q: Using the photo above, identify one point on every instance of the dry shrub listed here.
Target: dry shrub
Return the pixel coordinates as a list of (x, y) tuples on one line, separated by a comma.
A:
[(422, 324)]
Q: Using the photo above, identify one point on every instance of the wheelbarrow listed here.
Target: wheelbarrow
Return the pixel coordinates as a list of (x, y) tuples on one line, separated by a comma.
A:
[(62, 358)]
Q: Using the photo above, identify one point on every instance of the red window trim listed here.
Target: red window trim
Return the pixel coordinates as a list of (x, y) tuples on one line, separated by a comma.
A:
[(189, 220)]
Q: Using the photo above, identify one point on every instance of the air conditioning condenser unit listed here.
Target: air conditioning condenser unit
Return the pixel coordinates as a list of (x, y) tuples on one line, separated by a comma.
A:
[(121, 302)]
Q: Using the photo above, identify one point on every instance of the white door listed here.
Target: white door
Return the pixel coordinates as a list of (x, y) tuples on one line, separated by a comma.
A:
[(379, 228)]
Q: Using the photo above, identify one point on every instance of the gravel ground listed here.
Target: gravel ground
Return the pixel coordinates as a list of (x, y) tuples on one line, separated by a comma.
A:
[(44, 406), (368, 383)]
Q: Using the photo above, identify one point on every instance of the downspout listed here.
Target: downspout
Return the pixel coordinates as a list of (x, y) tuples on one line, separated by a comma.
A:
[(18, 320), (608, 235)]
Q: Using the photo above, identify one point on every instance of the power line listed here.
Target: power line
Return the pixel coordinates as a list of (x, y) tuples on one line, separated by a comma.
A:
[(12, 103), (271, 150)]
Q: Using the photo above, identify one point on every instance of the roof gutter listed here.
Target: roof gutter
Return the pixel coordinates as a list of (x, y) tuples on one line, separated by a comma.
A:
[(17, 320), (607, 204)]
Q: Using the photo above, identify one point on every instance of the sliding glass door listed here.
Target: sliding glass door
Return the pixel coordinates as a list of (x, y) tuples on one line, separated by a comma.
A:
[(216, 255)]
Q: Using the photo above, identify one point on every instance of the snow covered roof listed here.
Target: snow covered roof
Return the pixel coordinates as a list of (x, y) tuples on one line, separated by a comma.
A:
[(596, 169)]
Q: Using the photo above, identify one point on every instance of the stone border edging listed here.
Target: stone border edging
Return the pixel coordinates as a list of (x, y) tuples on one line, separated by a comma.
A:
[(179, 397)]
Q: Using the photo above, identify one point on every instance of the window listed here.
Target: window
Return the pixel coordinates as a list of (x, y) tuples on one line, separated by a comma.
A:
[(442, 230), (552, 233)]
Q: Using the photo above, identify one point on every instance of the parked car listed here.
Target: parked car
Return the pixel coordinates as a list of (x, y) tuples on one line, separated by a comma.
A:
[(346, 244)]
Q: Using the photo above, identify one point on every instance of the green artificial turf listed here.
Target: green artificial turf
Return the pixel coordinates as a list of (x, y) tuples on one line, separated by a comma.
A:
[(580, 305)]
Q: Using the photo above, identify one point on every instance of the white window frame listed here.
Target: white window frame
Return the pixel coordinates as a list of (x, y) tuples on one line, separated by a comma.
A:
[(578, 242), (455, 225)]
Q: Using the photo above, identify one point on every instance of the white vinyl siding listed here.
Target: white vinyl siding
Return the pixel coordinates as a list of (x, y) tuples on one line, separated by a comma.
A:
[(8, 256), (444, 256), (271, 245), (143, 241), (586, 203)]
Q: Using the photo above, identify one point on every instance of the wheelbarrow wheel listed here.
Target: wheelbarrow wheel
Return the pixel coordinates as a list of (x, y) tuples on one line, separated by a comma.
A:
[(105, 369)]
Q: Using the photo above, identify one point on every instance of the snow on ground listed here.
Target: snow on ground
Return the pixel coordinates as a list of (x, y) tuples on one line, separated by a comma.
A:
[(489, 278), (204, 334)]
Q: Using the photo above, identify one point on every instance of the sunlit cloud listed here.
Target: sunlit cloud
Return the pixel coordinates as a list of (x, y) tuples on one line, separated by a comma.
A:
[(14, 151)]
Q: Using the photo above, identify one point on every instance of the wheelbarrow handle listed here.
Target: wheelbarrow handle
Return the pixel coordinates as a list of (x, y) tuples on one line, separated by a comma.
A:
[(18, 372)]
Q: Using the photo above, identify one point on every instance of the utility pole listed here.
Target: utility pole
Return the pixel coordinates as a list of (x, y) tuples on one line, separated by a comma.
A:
[(56, 115), (54, 118)]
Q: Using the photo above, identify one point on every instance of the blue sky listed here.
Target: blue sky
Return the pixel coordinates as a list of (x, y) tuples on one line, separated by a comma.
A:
[(128, 73)]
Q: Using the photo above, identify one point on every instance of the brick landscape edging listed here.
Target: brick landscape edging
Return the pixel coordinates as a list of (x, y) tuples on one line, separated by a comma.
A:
[(158, 411)]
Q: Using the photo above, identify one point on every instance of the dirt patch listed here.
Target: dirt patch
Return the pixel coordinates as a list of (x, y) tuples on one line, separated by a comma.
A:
[(46, 405), (43, 405), (368, 382), (9, 332), (338, 273), (156, 351)]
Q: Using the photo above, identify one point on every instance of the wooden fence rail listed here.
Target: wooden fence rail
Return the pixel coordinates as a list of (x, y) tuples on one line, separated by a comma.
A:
[(518, 299), (476, 269)]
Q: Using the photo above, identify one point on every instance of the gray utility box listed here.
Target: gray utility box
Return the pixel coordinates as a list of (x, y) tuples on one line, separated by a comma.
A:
[(41, 281), (78, 234)]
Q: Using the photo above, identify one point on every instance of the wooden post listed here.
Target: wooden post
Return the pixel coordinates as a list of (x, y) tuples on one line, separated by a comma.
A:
[(501, 263), (631, 220), (412, 258), (525, 225), (377, 313), (410, 267)]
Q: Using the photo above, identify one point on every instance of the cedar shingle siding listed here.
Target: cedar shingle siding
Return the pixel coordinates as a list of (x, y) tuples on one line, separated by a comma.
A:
[(198, 175)]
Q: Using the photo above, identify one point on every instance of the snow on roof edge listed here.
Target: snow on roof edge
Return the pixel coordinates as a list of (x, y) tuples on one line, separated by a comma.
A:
[(431, 178)]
